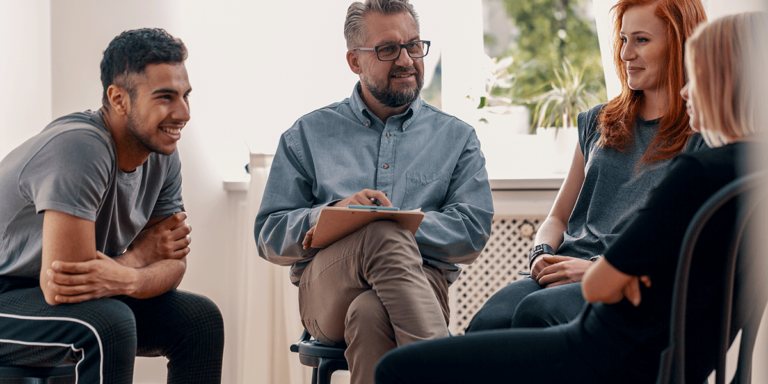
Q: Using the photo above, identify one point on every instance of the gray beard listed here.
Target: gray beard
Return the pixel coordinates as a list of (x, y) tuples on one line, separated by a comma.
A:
[(395, 98)]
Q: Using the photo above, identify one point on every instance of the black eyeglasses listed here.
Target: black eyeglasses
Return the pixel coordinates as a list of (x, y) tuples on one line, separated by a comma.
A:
[(391, 52)]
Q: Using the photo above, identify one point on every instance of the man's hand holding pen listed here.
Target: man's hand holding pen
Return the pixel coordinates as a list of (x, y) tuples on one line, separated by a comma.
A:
[(364, 197)]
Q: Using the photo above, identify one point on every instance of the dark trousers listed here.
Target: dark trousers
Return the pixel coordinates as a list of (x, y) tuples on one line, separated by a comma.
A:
[(526, 304), (583, 351), (103, 336)]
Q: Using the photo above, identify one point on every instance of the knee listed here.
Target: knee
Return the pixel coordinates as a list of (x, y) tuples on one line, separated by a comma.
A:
[(498, 311), (389, 231), (204, 319), (534, 311), (387, 239), (197, 319), (366, 317), (113, 324)]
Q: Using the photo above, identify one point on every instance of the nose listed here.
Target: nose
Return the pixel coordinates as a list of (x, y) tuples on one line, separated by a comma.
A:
[(627, 52), (684, 92), (404, 60), (181, 110)]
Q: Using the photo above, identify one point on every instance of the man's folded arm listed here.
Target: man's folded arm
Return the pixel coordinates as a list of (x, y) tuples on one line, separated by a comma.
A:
[(73, 270), (66, 238), (458, 232)]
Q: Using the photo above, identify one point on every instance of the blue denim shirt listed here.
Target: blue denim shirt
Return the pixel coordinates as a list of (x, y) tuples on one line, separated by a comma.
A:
[(423, 158)]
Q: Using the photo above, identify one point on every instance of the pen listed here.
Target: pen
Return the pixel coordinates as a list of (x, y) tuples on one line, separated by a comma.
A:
[(375, 201)]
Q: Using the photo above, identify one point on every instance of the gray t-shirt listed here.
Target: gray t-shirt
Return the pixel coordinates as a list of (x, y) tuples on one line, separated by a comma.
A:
[(71, 167), (615, 185)]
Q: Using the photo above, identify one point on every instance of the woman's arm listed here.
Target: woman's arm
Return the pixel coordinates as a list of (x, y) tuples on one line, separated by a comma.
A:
[(606, 284), (551, 230)]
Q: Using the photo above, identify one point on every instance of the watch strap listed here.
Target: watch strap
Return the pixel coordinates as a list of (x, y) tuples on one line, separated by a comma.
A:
[(541, 249)]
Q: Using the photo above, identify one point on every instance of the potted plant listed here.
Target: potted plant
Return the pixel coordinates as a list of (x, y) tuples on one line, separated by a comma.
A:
[(559, 108), (569, 95)]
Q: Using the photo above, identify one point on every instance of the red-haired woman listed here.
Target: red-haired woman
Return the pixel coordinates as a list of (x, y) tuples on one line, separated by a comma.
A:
[(624, 149), (619, 336)]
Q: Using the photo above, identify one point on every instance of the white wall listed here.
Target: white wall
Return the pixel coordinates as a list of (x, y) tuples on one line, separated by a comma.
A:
[(25, 70)]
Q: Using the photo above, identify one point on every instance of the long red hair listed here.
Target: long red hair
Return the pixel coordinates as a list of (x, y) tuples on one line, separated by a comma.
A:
[(617, 120)]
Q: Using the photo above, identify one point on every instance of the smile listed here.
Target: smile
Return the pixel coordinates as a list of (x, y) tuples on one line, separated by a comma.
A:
[(172, 131)]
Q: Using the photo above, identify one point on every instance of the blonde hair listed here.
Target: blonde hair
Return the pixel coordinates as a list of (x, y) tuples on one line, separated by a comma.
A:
[(354, 25), (726, 60)]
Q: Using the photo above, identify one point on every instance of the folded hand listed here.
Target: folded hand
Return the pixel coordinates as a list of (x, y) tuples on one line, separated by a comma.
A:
[(75, 282), (561, 270), (168, 239)]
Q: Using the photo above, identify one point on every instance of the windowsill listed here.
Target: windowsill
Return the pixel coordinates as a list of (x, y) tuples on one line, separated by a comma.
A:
[(514, 161), (545, 183), (238, 185)]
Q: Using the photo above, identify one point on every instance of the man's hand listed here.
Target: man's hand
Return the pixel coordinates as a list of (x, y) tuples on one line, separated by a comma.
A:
[(632, 289), (365, 197), (168, 239), (308, 238), (561, 270), (75, 282)]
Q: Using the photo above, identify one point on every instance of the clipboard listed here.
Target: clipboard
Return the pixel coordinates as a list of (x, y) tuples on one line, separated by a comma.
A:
[(335, 223)]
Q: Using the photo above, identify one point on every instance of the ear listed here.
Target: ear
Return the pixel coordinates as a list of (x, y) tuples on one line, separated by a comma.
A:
[(354, 62), (118, 99)]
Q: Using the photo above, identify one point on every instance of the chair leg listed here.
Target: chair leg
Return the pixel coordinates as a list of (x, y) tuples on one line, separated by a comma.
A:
[(325, 371), (747, 348), (744, 367), (314, 375)]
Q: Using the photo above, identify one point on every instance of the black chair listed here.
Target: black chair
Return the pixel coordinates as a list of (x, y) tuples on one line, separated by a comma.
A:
[(323, 359), (749, 298), (37, 375)]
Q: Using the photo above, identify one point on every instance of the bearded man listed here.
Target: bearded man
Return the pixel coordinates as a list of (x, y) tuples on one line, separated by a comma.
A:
[(379, 287)]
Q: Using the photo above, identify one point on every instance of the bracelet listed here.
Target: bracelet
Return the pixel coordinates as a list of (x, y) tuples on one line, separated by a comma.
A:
[(539, 250)]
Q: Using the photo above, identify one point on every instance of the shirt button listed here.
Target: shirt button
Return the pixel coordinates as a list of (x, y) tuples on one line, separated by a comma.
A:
[(405, 125), (386, 166), (366, 124), (387, 134)]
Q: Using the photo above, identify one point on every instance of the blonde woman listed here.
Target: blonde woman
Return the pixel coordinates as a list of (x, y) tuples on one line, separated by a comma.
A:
[(619, 335)]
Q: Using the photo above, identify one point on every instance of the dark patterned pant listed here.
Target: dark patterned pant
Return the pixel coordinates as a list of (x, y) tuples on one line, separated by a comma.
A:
[(103, 336)]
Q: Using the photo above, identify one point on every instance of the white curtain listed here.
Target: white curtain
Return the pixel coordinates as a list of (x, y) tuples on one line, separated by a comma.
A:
[(270, 320)]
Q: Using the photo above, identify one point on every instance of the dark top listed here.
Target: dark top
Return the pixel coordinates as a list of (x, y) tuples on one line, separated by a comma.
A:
[(650, 245), (615, 185)]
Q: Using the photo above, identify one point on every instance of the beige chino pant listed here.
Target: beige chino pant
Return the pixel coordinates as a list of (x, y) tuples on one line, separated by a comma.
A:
[(372, 291)]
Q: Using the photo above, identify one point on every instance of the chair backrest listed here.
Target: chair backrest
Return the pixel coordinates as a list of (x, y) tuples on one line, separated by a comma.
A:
[(672, 368)]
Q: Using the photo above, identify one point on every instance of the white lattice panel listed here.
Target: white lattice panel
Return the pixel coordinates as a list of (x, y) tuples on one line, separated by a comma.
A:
[(505, 254)]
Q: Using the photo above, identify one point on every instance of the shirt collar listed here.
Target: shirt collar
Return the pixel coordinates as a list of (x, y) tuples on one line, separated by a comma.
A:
[(365, 115)]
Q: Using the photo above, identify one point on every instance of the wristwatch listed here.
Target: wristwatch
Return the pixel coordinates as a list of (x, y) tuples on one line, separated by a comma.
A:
[(539, 250)]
